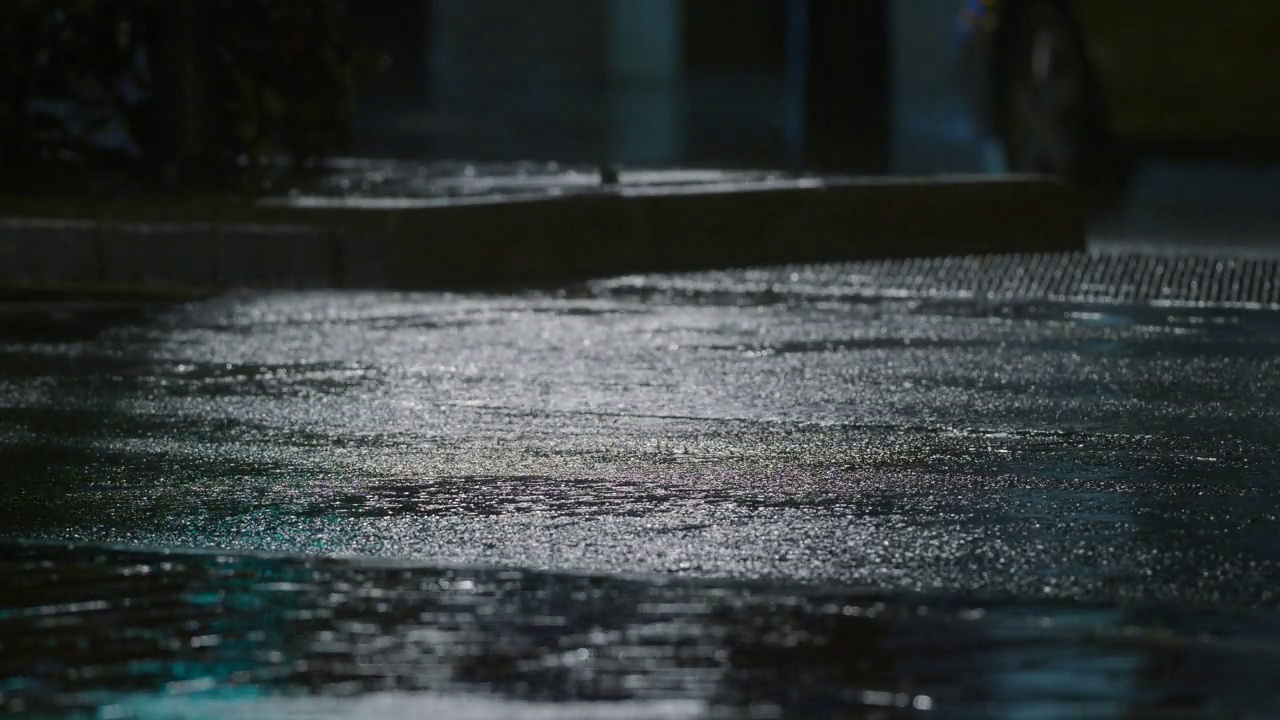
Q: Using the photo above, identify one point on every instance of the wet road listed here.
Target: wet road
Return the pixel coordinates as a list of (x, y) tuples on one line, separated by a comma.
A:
[(839, 491)]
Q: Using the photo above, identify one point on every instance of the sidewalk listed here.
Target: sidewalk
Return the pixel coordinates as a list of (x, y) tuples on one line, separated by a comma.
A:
[(406, 226)]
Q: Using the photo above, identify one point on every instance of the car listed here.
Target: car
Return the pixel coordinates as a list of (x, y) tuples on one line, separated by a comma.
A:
[(1083, 88)]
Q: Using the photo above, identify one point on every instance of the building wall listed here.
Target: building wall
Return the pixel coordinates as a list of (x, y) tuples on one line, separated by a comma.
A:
[(931, 129), (511, 77), (653, 82)]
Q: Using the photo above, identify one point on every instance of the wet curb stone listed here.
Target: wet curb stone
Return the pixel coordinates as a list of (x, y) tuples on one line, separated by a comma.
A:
[(429, 243)]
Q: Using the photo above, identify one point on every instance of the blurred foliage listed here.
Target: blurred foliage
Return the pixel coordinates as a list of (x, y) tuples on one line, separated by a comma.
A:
[(285, 74), (70, 72), (109, 91)]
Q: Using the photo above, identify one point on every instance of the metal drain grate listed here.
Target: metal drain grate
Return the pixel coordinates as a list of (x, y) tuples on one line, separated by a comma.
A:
[(1077, 277), (1113, 278)]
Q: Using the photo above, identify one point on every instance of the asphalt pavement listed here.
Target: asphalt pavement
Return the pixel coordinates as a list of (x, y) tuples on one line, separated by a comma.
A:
[(1007, 488)]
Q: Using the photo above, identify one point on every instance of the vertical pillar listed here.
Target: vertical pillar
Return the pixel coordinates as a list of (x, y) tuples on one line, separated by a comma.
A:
[(796, 80), (847, 123), (646, 59)]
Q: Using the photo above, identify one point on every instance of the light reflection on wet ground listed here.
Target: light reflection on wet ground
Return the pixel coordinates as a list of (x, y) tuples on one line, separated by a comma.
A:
[(135, 633), (710, 495)]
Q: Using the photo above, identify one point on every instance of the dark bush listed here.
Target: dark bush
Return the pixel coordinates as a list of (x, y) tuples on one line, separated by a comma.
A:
[(214, 92)]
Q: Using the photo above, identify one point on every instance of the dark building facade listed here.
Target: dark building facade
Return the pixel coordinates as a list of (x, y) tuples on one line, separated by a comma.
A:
[(654, 82)]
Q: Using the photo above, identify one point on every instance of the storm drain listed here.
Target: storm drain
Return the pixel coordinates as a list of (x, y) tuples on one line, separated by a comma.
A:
[(1121, 278)]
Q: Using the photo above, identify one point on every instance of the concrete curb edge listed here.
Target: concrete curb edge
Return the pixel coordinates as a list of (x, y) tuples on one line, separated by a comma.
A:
[(430, 244)]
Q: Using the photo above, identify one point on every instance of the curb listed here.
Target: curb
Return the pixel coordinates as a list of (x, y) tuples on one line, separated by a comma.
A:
[(404, 243)]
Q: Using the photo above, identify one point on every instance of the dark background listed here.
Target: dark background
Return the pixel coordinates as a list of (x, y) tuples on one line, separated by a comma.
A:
[(560, 80)]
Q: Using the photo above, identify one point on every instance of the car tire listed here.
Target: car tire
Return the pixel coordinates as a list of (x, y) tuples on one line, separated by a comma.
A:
[(1053, 118)]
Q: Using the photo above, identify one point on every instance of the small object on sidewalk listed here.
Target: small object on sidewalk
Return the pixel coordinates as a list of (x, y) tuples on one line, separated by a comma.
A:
[(608, 174)]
